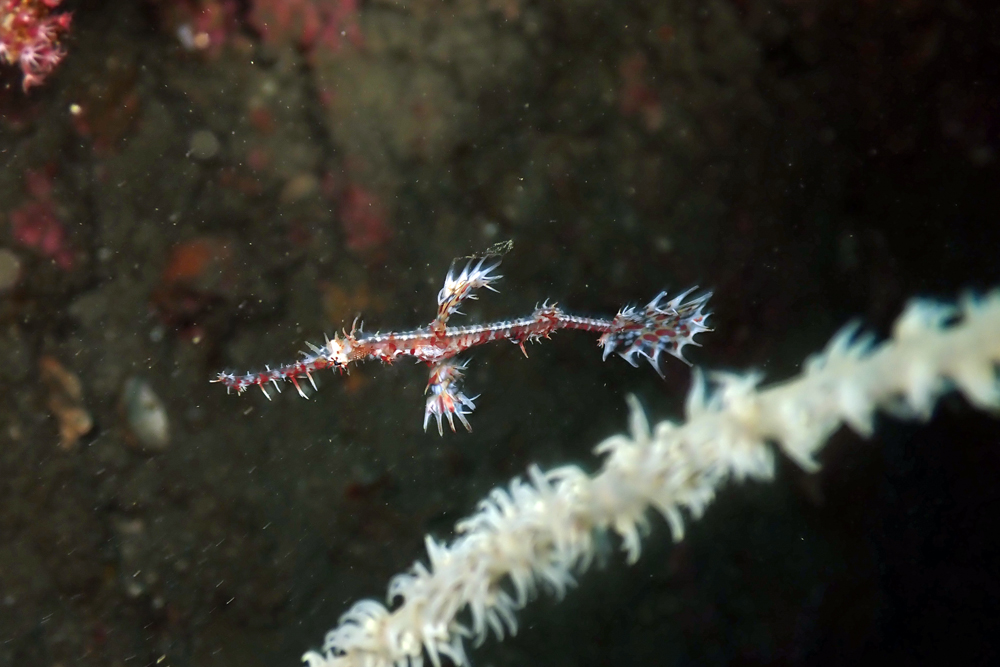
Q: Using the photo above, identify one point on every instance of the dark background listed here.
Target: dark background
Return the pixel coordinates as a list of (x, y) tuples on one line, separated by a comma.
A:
[(811, 161)]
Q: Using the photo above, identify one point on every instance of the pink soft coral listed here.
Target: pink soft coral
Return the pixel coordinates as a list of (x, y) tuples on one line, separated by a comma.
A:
[(30, 37), (36, 224)]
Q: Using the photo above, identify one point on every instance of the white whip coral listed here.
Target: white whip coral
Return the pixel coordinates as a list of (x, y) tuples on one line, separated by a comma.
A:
[(540, 531)]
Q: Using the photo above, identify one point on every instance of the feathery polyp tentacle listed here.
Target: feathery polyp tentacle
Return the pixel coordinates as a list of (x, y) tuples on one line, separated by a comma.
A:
[(458, 288), (445, 397)]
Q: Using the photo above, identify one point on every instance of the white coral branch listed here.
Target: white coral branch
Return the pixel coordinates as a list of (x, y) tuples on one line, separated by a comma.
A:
[(540, 531)]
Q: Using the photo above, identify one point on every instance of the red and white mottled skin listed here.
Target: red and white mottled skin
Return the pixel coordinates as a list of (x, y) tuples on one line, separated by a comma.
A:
[(659, 327), (30, 37)]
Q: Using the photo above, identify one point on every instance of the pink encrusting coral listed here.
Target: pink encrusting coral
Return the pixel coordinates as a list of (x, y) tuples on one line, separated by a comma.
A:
[(36, 226), (36, 223), (310, 24), (202, 25), (31, 37)]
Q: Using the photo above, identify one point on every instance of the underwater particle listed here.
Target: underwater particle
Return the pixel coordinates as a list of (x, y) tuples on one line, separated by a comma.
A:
[(146, 415), (108, 105)]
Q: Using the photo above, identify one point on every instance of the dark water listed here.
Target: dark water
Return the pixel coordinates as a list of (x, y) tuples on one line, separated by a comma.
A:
[(167, 212)]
